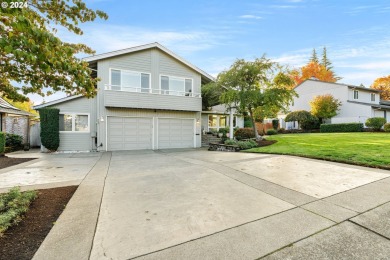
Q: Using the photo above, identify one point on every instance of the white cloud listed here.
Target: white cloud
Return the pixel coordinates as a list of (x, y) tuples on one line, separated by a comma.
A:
[(250, 16)]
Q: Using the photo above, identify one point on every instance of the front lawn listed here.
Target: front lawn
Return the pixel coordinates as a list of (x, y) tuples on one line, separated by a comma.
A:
[(369, 149)]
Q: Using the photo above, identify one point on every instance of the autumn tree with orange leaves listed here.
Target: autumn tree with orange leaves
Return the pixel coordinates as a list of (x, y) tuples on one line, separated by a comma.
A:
[(383, 84), (321, 70)]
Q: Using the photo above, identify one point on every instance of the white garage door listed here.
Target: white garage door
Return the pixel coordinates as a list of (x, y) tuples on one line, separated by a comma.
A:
[(175, 133), (129, 133)]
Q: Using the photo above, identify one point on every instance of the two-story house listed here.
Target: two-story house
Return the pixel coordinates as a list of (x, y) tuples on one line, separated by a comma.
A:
[(148, 98), (357, 102)]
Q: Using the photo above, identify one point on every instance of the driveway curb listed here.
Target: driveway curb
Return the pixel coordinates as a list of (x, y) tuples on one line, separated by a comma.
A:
[(73, 233)]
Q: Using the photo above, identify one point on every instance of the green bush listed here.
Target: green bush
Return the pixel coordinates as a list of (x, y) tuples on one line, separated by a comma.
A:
[(224, 130), (275, 124), (13, 205), (50, 135), (386, 127), (272, 132), (310, 123), (340, 128), (15, 142), (248, 122), (2, 143), (376, 123), (247, 144), (244, 133), (230, 142)]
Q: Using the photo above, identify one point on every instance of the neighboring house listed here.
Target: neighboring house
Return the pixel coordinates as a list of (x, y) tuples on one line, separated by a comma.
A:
[(219, 117), (14, 120), (358, 103), (148, 98)]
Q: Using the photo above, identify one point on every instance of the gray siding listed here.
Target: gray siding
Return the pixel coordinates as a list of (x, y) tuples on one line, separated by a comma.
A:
[(157, 63), (78, 141), (151, 101)]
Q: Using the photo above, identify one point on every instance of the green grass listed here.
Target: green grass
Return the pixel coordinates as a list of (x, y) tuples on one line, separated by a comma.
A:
[(368, 149), (13, 205)]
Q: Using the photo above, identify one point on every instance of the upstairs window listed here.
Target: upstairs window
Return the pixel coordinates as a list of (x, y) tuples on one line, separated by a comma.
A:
[(131, 81), (176, 86), (372, 97), (355, 94)]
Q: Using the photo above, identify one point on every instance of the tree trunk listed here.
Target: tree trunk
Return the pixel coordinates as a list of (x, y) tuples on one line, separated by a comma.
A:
[(258, 137)]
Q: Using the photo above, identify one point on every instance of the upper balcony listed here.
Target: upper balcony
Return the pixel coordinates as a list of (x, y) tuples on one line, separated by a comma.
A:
[(148, 98)]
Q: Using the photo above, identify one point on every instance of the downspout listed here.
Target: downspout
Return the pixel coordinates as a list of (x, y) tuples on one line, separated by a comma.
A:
[(231, 123)]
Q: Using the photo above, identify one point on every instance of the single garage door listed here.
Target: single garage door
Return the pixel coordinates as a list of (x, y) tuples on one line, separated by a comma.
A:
[(129, 133), (175, 133)]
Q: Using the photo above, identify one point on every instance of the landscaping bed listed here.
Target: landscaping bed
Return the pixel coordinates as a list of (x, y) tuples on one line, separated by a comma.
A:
[(9, 161), (23, 240), (265, 142)]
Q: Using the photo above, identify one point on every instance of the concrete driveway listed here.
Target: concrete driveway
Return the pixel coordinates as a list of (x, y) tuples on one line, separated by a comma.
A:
[(196, 204)]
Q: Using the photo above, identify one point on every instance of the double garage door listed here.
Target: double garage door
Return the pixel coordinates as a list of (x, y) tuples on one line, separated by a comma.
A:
[(136, 133)]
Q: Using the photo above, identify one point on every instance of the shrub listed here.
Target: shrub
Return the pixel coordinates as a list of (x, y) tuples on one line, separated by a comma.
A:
[(282, 130), (248, 122), (272, 132), (340, 128), (244, 133), (224, 130), (50, 135), (13, 205), (230, 142), (310, 123), (376, 123), (2, 143), (298, 116), (275, 123), (386, 127), (15, 142), (247, 144)]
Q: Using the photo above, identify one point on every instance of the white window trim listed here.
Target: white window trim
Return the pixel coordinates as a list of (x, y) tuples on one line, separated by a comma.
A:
[(178, 77), (132, 71), (357, 96), (74, 122)]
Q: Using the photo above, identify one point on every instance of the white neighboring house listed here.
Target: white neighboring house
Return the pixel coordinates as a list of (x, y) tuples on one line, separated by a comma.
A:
[(219, 117), (358, 103)]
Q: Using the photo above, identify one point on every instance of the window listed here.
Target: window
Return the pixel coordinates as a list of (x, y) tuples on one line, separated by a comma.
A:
[(372, 97), (212, 121), (74, 123), (355, 94), (130, 81), (175, 86), (222, 121)]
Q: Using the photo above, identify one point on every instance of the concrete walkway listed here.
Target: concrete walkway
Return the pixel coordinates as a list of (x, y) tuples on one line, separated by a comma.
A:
[(196, 204)]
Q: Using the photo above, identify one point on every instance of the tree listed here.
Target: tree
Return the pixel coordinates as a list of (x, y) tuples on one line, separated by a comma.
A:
[(210, 95), (25, 106), (314, 57), (312, 70), (303, 118), (251, 86), (325, 61), (34, 58), (324, 106), (383, 84)]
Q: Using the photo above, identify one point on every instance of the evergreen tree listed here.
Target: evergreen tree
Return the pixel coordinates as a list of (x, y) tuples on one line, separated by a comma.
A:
[(314, 57), (325, 61)]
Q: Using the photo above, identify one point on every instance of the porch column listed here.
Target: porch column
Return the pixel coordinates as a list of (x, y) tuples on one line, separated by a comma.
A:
[(231, 124)]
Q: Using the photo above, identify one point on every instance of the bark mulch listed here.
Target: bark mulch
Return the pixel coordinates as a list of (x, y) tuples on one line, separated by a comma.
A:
[(265, 142), (23, 240), (9, 161)]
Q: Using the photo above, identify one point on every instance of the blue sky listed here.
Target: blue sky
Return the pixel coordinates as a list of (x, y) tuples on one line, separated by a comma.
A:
[(212, 34)]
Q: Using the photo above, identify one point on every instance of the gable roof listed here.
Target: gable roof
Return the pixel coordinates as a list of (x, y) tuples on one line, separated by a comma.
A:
[(340, 84), (56, 101), (145, 47), (6, 107)]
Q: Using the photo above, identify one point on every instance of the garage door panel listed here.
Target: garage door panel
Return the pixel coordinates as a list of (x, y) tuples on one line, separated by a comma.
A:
[(175, 133), (129, 133)]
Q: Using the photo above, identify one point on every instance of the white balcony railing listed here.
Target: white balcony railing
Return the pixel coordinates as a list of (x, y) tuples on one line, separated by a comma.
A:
[(152, 91)]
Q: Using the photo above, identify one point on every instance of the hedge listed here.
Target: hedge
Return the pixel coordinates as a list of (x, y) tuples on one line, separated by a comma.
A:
[(2, 143), (340, 128), (244, 133), (386, 127), (50, 134)]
